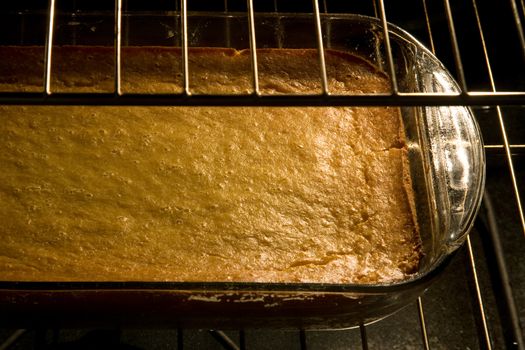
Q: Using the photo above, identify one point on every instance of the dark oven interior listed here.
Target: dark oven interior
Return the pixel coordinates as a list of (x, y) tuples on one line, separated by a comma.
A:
[(479, 301)]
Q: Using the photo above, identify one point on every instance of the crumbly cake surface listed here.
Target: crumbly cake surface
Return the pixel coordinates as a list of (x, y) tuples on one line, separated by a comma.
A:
[(209, 193)]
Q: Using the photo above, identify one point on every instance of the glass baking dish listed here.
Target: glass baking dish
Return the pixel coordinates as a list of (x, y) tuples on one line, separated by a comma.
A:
[(447, 169)]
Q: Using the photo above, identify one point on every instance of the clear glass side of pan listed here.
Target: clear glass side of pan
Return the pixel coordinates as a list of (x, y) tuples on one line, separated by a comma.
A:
[(446, 157)]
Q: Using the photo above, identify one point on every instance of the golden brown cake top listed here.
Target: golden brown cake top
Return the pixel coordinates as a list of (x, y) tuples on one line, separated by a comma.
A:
[(206, 194)]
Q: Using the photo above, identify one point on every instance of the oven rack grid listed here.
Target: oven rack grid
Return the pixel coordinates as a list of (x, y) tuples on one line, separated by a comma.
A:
[(325, 98), (494, 98)]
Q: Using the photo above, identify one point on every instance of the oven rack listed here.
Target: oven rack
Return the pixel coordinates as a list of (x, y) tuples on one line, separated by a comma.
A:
[(325, 98), (494, 99)]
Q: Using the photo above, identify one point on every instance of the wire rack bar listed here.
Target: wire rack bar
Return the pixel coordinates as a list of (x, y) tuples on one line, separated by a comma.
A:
[(118, 44), (12, 339), (519, 25), (242, 340), (487, 344), (109, 99), (328, 31), (377, 44), (508, 153), (127, 29), (517, 341), (376, 13), (302, 339), (515, 146), (455, 47), (279, 33), (227, 28), (253, 49), (429, 28), (364, 338), (320, 46), (185, 64), (500, 119), (49, 48), (389, 55), (223, 339), (22, 30), (422, 323)]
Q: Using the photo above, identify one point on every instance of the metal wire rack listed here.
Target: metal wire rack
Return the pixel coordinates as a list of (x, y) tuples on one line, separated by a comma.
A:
[(492, 99), (465, 97)]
